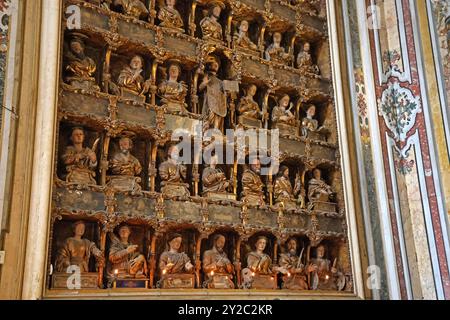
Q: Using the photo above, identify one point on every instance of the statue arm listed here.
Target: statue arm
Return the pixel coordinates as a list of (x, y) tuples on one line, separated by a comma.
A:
[(63, 258), (117, 255)]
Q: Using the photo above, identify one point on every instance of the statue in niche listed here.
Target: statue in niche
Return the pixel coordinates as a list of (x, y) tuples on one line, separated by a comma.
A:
[(125, 259), (80, 67), (173, 92), (80, 161), (250, 113), (215, 107), (319, 190), (305, 62), (77, 251), (294, 272), (252, 185), (217, 267), (283, 191), (134, 8), (172, 174), (283, 118), (170, 17), (125, 168), (214, 179), (241, 37), (211, 28), (172, 261), (310, 126), (275, 52), (324, 275), (131, 82)]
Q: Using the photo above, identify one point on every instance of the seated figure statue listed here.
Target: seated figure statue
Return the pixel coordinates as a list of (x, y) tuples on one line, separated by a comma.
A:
[(210, 26), (241, 38), (215, 183), (169, 16), (173, 92), (310, 126), (134, 8), (324, 275), (250, 114), (320, 193), (283, 119), (172, 174), (131, 83), (217, 267), (283, 191), (294, 272), (252, 185), (305, 62), (275, 52)]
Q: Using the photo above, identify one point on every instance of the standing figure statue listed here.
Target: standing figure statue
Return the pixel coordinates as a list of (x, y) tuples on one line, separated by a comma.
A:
[(80, 161), (275, 52), (173, 92), (169, 16), (252, 186), (125, 259), (242, 39), (294, 272), (211, 28), (172, 174), (80, 67), (215, 107), (217, 267), (125, 167), (77, 251)]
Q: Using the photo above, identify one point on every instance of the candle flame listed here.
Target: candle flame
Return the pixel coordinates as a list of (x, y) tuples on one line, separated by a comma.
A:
[(212, 273), (116, 272)]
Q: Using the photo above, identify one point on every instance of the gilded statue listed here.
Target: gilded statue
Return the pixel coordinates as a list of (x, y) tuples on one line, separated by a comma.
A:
[(173, 261), (275, 52), (210, 26), (305, 62), (310, 126), (324, 275), (252, 185), (125, 167), (80, 67), (249, 109), (216, 265), (77, 251), (125, 259), (319, 190), (80, 161), (131, 81), (241, 37), (283, 118), (172, 174), (134, 8), (214, 179), (259, 262), (173, 92), (169, 16), (215, 107), (283, 191), (294, 272)]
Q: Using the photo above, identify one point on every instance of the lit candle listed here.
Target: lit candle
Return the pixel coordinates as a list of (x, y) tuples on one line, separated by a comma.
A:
[(289, 274), (212, 273), (164, 271), (327, 277), (116, 272), (253, 274)]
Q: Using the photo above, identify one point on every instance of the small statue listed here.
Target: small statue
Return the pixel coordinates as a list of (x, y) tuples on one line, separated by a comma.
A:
[(173, 261), (173, 93), (80, 162), (259, 262), (134, 8), (170, 17), (126, 261), (131, 82), (242, 39), (324, 275), (283, 191), (125, 167), (294, 272), (77, 251), (318, 190), (249, 108), (172, 175), (211, 28), (80, 66), (305, 62), (252, 185), (275, 52), (282, 114), (216, 263), (214, 179), (215, 107), (310, 126)]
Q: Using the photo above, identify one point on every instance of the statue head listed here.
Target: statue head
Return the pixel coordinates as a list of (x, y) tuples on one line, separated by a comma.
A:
[(317, 174), (255, 164), (215, 8), (79, 227), (124, 233), (243, 27), (77, 136), (320, 251), (175, 241), (125, 144), (311, 112), (261, 243), (284, 172), (219, 242), (77, 43), (284, 101), (137, 62), (174, 70), (213, 63), (292, 246), (277, 37), (306, 47), (171, 3), (251, 91), (174, 152)]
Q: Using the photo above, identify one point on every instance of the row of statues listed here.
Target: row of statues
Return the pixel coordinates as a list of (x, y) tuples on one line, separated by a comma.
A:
[(126, 262), (81, 162), (211, 29), (131, 84)]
